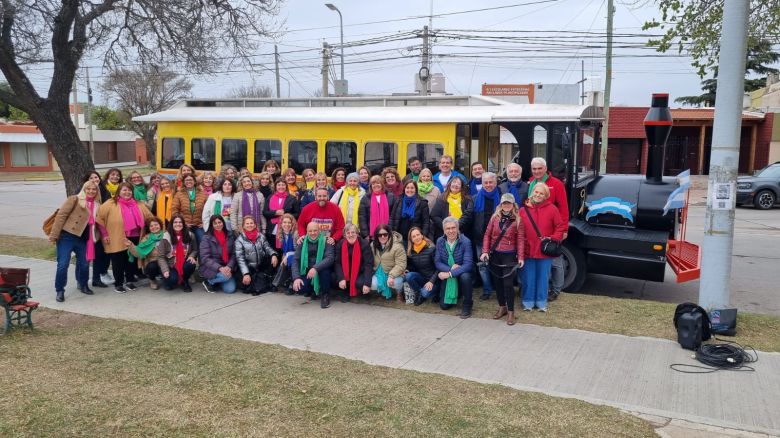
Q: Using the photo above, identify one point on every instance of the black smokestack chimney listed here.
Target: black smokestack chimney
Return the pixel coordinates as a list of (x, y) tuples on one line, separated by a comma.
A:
[(658, 125)]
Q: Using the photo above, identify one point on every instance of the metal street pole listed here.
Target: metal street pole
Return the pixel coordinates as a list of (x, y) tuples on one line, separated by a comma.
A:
[(333, 7), (721, 194), (276, 62), (325, 59), (607, 91)]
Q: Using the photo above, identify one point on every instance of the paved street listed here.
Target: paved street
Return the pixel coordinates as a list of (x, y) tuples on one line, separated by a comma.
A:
[(755, 274)]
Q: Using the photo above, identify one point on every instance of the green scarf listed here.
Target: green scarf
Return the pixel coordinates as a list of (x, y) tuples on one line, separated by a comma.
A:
[(145, 246), (533, 183), (451, 288), (315, 282), (191, 194), (217, 208), (381, 283), (139, 192), (424, 187)]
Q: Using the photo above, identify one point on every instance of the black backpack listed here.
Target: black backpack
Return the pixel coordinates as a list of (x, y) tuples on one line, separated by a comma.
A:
[(684, 315)]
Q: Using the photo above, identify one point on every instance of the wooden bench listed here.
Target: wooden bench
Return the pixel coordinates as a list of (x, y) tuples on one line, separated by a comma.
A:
[(14, 297)]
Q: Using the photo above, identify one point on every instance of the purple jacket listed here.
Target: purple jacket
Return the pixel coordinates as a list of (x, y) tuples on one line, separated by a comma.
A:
[(211, 256)]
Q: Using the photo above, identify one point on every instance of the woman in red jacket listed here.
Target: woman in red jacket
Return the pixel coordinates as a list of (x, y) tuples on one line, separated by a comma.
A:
[(503, 246), (536, 272)]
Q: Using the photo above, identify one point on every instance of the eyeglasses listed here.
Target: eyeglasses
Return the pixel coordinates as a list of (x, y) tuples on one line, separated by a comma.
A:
[(382, 234)]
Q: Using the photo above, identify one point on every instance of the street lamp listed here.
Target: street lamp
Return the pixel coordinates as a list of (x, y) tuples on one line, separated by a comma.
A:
[(333, 7)]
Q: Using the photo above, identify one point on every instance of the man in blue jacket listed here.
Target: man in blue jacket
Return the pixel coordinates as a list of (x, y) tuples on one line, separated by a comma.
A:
[(455, 263), (445, 173)]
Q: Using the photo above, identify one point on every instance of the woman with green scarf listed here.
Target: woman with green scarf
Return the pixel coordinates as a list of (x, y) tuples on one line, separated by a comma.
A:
[(312, 266), (427, 189), (455, 263), (146, 250), (139, 186)]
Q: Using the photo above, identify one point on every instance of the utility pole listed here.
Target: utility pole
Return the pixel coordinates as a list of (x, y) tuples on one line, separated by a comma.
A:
[(276, 61), (325, 66), (607, 91), (425, 70), (721, 188), (89, 117)]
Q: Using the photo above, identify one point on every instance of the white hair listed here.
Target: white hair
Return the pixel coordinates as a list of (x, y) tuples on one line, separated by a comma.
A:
[(448, 220), (540, 161), (489, 175)]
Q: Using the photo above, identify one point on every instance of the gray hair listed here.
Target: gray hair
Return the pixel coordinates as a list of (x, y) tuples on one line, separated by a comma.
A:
[(489, 175), (350, 227), (539, 160), (515, 165), (448, 220), (352, 175)]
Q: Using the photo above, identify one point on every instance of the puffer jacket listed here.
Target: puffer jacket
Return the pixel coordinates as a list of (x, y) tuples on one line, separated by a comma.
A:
[(392, 259), (166, 252), (211, 255), (250, 255), (181, 205), (513, 239), (423, 262), (441, 210), (421, 218), (462, 254), (548, 220)]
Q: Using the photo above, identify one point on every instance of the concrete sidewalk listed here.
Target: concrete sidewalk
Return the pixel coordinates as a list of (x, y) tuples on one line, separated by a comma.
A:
[(628, 373)]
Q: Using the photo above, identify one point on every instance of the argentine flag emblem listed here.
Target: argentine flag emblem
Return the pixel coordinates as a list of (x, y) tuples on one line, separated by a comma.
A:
[(610, 204), (678, 196)]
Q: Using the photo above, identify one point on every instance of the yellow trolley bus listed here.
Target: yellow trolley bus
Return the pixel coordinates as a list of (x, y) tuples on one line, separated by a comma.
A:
[(377, 132)]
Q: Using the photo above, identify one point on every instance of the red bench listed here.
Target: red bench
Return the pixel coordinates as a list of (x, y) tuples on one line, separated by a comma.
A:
[(14, 297)]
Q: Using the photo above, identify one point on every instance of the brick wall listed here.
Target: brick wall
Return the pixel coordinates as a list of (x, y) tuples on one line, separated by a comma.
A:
[(626, 122)]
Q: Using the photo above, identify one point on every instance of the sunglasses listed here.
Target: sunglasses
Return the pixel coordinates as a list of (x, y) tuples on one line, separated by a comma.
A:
[(382, 234)]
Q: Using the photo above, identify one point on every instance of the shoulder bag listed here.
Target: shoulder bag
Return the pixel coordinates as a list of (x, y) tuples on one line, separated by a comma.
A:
[(549, 247)]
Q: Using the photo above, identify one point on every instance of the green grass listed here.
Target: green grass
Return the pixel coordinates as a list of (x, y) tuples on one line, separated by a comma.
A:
[(85, 376), (33, 247)]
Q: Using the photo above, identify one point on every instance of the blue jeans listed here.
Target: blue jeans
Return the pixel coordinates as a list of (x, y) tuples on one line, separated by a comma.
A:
[(398, 283), (198, 232), (228, 284), (417, 281), (67, 244), (536, 276), (484, 274)]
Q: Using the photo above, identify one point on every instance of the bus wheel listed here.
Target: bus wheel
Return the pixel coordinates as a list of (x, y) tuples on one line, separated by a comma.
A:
[(574, 266)]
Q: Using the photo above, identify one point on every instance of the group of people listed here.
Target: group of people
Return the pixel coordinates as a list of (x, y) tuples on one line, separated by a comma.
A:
[(426, 236)]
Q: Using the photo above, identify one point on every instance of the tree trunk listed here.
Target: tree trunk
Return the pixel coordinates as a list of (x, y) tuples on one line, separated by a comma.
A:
[(58, 130), (151, 148)]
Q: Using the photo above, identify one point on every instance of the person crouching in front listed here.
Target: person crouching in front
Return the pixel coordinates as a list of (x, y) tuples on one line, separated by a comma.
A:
[(455, 263), (312, 265), (177, 255), (218, 256), (253, 254), (354, 264)]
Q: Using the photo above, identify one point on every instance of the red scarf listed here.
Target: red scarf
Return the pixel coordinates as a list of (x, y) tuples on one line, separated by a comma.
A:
[(251, 235), (338, 184), (222, 239), (355, 264), (179, 256)]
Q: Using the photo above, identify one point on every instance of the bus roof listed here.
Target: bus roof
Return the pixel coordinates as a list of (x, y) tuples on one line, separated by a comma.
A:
[(351, 110)]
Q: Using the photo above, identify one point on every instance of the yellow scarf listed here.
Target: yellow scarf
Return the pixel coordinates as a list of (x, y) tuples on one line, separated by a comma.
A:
[(111, 187), (344, 203), (163, 207), (310, 184), (417, 248), (454, 200), (293, 189)]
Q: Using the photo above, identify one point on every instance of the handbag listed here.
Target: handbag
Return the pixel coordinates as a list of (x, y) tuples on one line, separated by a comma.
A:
[(549, 247), (48, 223)]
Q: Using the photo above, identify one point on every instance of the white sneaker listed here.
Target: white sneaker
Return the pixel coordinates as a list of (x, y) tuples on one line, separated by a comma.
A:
[(107, 278)]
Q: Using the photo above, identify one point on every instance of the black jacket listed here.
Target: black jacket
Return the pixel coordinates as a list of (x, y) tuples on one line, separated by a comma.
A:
[(423, 263), (364, 212), (366, 268), (441, 210), (421, 218), (325, 264), (480, 220), (291, 205)]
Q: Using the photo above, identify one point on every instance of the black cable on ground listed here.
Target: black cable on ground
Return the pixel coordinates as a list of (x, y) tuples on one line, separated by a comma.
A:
[(726, 356)]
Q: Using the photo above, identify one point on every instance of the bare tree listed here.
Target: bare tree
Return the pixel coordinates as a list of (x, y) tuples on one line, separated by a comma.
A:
[(144, 90), (251, 91), (197, 35)]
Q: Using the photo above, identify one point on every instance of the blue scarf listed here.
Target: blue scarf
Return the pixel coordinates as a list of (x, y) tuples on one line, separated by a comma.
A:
[(479, 201), (473, 185), (365, 187), (513, 190), (410, 202), (288, 245)]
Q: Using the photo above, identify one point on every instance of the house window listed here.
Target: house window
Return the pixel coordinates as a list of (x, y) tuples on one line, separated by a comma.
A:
[(2, 156), (29, 155)]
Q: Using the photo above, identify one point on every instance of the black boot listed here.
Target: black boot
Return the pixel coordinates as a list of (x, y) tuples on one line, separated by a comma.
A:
[(60, 296), (325, 301), (86, 290)]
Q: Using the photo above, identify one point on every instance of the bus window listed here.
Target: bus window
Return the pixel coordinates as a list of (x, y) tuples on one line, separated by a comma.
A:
[(340, 154), (234, 152), (462, 146), (204, 151), (503, 149), (267, 150), (428, 153), (302, 154), (379, 155), (585, 164), (172, 156), (540, 142), (556, 164)]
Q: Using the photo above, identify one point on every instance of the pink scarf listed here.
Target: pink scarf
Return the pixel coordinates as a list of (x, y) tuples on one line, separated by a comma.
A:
[(91, 224), (131, 216), (277, 203), (207, 190), (380, 214)]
